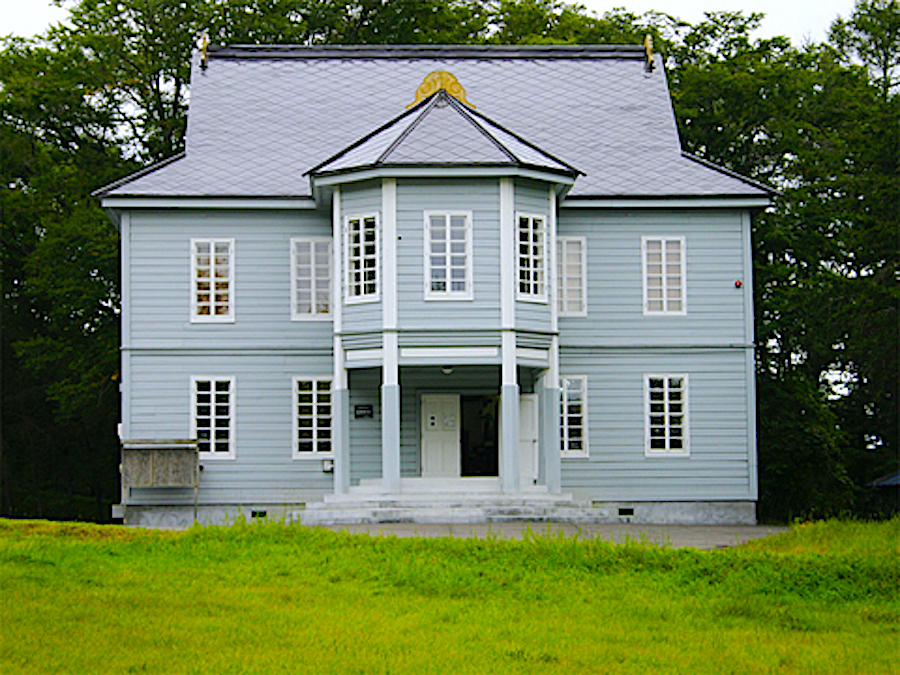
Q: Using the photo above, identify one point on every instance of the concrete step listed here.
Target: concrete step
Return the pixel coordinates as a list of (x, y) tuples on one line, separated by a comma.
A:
[(462, 512)]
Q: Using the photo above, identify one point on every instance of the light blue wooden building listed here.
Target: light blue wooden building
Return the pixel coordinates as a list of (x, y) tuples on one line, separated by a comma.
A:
[(438, 283)]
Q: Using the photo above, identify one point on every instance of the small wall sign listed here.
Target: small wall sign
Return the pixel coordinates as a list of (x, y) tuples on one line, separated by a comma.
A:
[(360, 411)]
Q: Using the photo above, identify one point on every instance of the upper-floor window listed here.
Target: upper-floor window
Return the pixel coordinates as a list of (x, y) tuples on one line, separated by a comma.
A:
[(573, 415), (531, 235), (666, 415), (212, 280), (664, 275), (571, 255), (311, 282), (212, 416), (448, 255), (312, 417), (362, 258)]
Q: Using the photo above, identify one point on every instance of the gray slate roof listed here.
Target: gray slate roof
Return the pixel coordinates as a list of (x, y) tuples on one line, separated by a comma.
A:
[(261, 118), (440, 131)]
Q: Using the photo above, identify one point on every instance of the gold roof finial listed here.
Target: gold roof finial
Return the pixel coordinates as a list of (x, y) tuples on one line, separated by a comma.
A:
[(204, 43), (437, 80), (648, 47)]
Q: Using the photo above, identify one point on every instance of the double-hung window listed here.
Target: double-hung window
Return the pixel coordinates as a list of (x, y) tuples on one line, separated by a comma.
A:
[(666, 415), (573, 416), (212, 280), (531, 236), (311, 283), (361, 253), (448, 255), (212, 416), (664, 275), (312, 416), (571, 273)]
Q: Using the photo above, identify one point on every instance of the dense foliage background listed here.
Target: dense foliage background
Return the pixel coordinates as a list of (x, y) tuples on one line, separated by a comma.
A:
[(106, 94)]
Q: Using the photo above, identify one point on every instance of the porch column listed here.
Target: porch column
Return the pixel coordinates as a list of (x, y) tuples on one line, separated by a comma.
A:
[(390, 415), (390, 368), (340, 395), (509, 385), (509, 415), (551, 464)]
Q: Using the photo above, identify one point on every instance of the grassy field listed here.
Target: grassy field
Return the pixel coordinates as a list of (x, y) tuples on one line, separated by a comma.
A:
[(269, 598)]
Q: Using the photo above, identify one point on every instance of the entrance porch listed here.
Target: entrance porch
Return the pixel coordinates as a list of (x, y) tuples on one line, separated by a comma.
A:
[(451, 433)]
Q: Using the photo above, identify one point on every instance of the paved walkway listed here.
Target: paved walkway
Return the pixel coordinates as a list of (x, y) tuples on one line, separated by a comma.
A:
[(675, 536)]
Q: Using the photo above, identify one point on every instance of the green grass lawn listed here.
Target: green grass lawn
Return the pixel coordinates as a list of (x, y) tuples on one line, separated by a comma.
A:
[(269, 598)]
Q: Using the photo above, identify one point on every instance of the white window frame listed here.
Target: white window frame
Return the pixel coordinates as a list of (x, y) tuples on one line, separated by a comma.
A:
[(314, 315), (563, 417), (685, 450), (232, 426), (543, 264), (562, 277), (349, 297), (295, 427), (682, 274), (430, 294), (196, 317)]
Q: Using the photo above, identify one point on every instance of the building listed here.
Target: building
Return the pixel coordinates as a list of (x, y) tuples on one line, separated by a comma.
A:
[(438, 283)]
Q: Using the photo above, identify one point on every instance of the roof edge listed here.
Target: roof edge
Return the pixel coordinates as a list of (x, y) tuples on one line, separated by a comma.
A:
[(768, 189), (106, 189)]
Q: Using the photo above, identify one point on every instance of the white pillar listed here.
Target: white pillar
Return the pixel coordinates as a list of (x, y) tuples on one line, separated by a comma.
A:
[(340, 395), (390, 368), (509, 386)]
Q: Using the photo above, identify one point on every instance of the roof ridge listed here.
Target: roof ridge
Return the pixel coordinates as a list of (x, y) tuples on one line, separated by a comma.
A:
[(429, 104), (426, 51), (458, 107)]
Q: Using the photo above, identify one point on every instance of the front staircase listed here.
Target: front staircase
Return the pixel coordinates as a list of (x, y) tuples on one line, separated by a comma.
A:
[(436, 501)]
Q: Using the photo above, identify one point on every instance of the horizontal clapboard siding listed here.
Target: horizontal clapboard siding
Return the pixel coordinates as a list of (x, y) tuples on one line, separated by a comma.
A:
[(365, 432), (263, 470), (160, 279), (533, 197), (361, 199), (718, 465), (482, 198), (715, 260)]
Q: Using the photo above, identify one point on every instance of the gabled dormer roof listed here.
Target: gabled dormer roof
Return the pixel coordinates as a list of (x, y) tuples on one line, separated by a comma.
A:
[(441, 131)]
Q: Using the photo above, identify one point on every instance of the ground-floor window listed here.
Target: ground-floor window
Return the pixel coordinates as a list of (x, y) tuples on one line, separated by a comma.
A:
[(212, 416), (573, 416), (666, 415), (312, 417)]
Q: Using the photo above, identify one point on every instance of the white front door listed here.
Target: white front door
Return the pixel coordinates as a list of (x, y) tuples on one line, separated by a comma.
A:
[(528, 441), (440, 436)]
